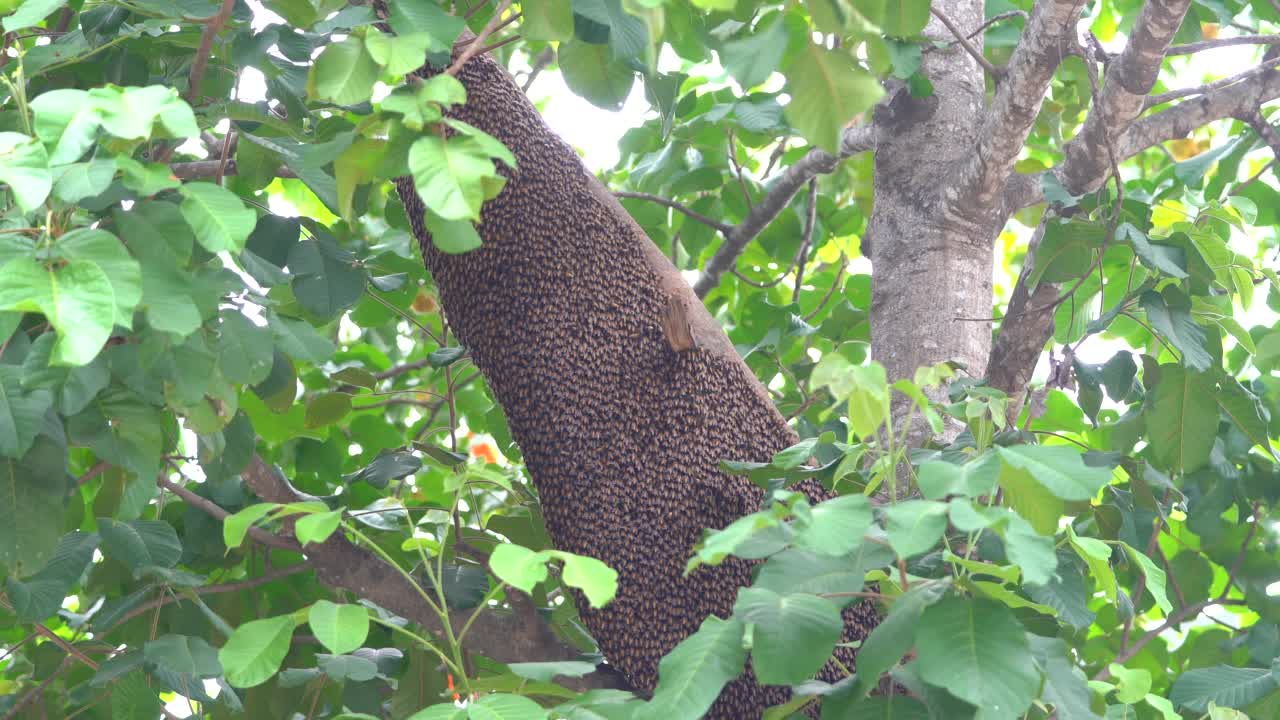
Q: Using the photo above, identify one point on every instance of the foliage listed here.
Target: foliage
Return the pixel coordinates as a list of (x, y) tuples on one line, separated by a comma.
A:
[(191, 283)]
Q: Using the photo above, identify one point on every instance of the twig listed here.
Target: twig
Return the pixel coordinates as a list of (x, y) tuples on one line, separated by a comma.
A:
[(831, 290), (267, 577), (478, 42), (1162, 98), (539, 64), (201, 61), (37, 690), (686, 210), (495, 45), (93, 472), (402, 369), (810, 220), (216, 511), (1195, 47), (737, 170), (200, 169), (974, 52)]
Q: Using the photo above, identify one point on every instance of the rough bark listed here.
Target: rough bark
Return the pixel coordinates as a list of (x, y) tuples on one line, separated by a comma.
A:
[(932, 265), (622, 434)]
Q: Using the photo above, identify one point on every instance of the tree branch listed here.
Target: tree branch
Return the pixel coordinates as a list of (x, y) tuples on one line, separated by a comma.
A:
[(505, 637), (1162, 98), (1027, 324), (477, 43), (1045, 42), (969, 47), (1128, 80), (1178, 121), (201, 60), (212, 509), (816, 162), (684, 209), (1195, 47)]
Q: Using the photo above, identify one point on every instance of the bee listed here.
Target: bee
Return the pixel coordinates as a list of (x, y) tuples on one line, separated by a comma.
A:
[(676, 326)]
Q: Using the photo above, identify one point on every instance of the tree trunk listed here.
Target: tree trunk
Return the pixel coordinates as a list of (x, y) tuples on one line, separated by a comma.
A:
[(621, 432)]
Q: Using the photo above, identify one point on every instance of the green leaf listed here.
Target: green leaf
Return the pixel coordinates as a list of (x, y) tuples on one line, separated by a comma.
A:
[(132, 698), (255, 650), (448, 175), (408, 16), (518, 566), (1175, 323), (389, 465), (592, 72), (317, 527), (21, 412), (236, 526), (1223, 685), (184, 654), (1097, 555), (1156, 257), (340, 628), (398, 54), (1029, 550), (219, 218), (548, 671), (596, 580), (443, 711), (30, 13), (827, 90), (92, 245), (140, 543), (978, 651), (344, 73), (66, 121), (793, 634), (1182, 420), (899, 18), (347, 667), (1132, 685), (1244, 409), (327, 279), (753, 59), (327, 408), (77, 181), (299, 339), (547, 20), (41, 595), (451, 236), (244, 349), (76, 298), (506, 707), (691, 676), (34, 486), (1065, 686), (915, 526), (835, 527), (1066, 251), (895, 634), (1058, 468), (975, 478), (1155, 578)]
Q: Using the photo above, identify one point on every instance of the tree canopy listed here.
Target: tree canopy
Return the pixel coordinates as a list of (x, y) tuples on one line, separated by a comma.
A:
[(247, 470)]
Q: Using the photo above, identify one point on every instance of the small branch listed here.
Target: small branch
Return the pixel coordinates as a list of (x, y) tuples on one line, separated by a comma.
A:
[(686, 210), (810, 220), (1172, 621), (816, 162), (476, 43), (495, 45), (1162, 98), (205, 169), (1195, 47), (402, 369), (37, 690), (214, 510), (168, 598), (93, 472), (201, 61), (964, 42), (737, 170), (539, 64)]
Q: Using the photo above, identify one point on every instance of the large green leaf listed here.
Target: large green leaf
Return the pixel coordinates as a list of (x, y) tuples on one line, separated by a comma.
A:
[(184, 654), (547, 20), (1065, 686), (344, 73), (915, 526), (219, 218), (326, 278), (33, 487), (340, 628), (594, 73), (792, 635), (107, 252), (21, 412), (140, 544), (753, 59), (691, 676), (1059, 468), (1170, 314), (978, 651), (827, 90), (896, 633), (254, 652), (76, 297), (1222, 685), (449, 175), (835, 527), (244, 349), (24, 166), (1182, 420)]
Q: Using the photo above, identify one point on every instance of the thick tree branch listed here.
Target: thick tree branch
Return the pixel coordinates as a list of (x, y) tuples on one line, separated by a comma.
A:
[(1045, 42), (1128, 80), (816, 162), (505, 637), (1178, 121), (1026, 326), (1163, 98), (201, 60)]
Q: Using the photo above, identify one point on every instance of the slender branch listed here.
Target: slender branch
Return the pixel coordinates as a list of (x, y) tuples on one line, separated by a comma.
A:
[(1173, 620), (1128, 80), (214, 510), (1045, 42), (810, 220), (37, 690), (203, 169), (539, 64), (1207, 87), (93, 472), (737, 170), (477, 43), (1195, 47), (678, 207), (201, 61), (816, 162), (964, 42), (168, 598), (402, 369)]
